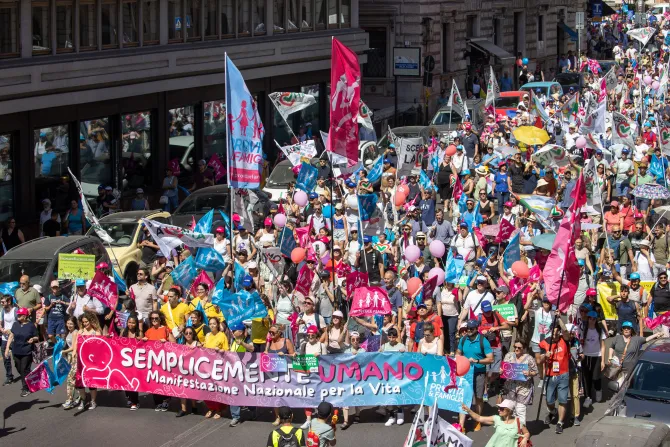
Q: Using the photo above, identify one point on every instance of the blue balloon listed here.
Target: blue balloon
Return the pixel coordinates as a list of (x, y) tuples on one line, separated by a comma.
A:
[(525, 61), (327, 211)]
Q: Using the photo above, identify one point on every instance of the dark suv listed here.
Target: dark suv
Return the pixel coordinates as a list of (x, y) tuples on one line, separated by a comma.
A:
[(39, 258)]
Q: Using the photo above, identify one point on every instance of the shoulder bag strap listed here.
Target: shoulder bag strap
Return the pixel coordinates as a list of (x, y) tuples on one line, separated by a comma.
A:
[(623, 356)]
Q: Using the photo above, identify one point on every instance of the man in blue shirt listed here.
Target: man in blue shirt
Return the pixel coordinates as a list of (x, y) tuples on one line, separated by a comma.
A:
[(477, 350), (56, 304), (394, 294)]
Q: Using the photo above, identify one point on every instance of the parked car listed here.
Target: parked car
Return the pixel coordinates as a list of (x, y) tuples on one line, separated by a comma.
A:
[(125, 228), (570, 80), (38, 258), (547, 88), (277, 182), (606, 65), (508, 102), (647, 394), (199, 203), (446, 120), (612, 431)]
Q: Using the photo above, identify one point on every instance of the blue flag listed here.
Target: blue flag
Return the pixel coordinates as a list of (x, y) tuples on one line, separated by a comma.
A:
[(463, 204), (453, 268), (204, 225), (307, 177), (184, 274), (209, 260), (119, 281), (242, 306), (512, 253), (226, 219), (218, 292), (376, 171), (8, 288), (425, 182), (239, 275), (656, 168), (435, 163), (367, 204), (61, 367), (287, 242), (204, 315), (474, 218)]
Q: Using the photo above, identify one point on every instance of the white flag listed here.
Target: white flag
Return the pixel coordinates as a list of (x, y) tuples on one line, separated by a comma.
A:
[(444, 434), (455, 100), (592, 182), (623, 130), (168, 237), (408, 154), (364, 116), (492, 89), (290, 102), (595, 121), (295, 152), (88, 213), (642, 35)]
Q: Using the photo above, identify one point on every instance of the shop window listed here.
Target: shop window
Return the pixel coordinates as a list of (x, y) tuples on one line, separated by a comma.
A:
[(181, 151), (175, 21), (130, 13), (151, 22), (41, 27), (346, 13), (215, 130), (321, 9), (376, 66), (333, 8), (88, 25), (95, 159), (9, 28), (293, 15), (192, 22), (227, 16), (64, 25), (279, 15), (307, 15), (244, 18), (136, 148), (110, 24), (6, 184), (211, 30), (52, 156), (258, 17)]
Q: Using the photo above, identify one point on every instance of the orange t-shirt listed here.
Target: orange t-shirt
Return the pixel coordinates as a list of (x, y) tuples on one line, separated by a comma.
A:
[(612, 219), (162, 333), (559, 362)]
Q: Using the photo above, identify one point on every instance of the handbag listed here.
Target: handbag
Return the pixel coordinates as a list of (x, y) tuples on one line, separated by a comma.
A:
[(163, 200), (612, 372), (529, 443)]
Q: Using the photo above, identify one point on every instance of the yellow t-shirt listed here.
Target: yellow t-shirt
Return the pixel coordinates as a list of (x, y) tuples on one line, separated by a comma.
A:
[(218, 341), (179, 313), (210, 309), (260, 328)]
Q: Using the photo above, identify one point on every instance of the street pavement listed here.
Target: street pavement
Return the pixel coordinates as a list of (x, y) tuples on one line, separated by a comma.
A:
[(39, 420)]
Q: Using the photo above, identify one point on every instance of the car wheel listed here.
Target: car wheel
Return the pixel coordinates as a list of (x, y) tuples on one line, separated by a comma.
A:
[(130, 275)]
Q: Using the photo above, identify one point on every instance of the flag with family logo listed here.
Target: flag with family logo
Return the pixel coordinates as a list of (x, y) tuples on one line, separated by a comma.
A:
[(512, 252), (240, 306), (367, 204), (287, 103), (307, 177), (244, 132), (623, 131), (425, 182), (664, 137), (492, 89), (642, 35), (376, 171), (209, 260), (8, 288), (219, 292), (595, 121), (204, 225), (239, 275), (453, 267), (184, 274), (537, 109), (656, 168)]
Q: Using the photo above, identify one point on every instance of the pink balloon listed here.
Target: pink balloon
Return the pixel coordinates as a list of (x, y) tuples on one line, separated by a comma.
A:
[(580, 142), (437, 248), (412, 253), (280, 220), (655, 85), (436, 271), (300, 197), (647, 79)]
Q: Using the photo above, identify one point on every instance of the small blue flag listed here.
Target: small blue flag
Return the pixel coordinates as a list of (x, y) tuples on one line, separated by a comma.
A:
[(209, 260), (425, 182), (204, 225), (184, 274), (239, 275), (453, 268), (241, 306), (376, 171), (204, 315), (463, 204), (307, 177), (367, 204), (512, 253), (119, 281), (287, 242), (8, 288)]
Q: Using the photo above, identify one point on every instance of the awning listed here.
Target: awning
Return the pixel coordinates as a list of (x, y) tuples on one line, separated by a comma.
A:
[(569, 31), (489, 47)]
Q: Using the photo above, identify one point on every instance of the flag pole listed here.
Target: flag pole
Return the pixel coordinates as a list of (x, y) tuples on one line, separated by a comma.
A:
[(231, 192)]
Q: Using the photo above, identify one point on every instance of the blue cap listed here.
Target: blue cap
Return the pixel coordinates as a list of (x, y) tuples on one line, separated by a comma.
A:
[(386, 160), (599, 152), (367, 239), (237, 326), (538, 90), (487, 306), (587, 306), (460, 147), (247, 281), (350, 183), (465, 172), (592, 314), (481, 261), (43, 134), (313, 195), (473, 324), (101, 186), (391, 146), (160, 254), (625, 150), (627, 324), (80, 282), (581, 262), (241, 227), (647, 124), (634, 275)]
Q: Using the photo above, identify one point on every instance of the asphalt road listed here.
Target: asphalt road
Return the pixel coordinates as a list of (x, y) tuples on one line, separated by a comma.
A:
[(39, 420)]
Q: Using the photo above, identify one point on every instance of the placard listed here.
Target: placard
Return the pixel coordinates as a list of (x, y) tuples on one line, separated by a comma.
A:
[(76, 266), (513, 371)]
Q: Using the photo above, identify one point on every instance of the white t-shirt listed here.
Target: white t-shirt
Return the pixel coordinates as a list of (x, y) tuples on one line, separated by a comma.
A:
[(465, 246), (8, 322), (543, 322), (353, 249), (223, 248), (592, 343), (473, 299)]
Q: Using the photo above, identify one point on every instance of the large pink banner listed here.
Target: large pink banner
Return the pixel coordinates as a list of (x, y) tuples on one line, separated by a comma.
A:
[(345, 81)]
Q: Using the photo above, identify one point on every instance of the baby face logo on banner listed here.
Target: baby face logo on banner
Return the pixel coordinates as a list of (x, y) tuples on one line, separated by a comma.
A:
[(370, 301)]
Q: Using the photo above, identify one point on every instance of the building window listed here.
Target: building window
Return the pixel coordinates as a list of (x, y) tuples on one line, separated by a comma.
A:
[(64, 26), (307, 15), (258, 17), (227, 16), (193, 19), (110, 24), (279, 15), (376, 66), (6, 184), (519, 32), (52, 149), (151, 21), (293, 15), (211, 30), (345, 13), (41, 29), (244, 18), (9, 29), (447, 47), (182, 144), (472, 26), (88, 25), (94, 155), (175, 22), (130, 13), (333, 13), (321, 10), (540, 28), (136, 151), (215, 130), (497, 32)]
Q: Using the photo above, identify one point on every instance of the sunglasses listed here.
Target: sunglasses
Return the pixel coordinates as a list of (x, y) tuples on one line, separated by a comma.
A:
[(518, 347), (273, 333), (155, 319)]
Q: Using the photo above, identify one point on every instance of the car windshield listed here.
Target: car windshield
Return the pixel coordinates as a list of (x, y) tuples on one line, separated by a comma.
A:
[(446, 117), (507, 102), (201, 203), (281, 176), (121, 233), (567, 79), (12, 269), (650, 380), (95, 172)]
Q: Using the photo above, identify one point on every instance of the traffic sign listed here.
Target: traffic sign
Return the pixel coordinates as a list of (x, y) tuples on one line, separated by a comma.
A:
[(579, 20), (429, 63)]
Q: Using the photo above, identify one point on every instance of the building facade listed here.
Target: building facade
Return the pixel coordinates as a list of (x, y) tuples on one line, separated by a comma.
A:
[(118, 89), (463, 38)]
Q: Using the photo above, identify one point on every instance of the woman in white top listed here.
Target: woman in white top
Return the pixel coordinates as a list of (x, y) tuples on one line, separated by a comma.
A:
[(266, 236), (448, 310), (593, 341), (644, 259), (222, 245), (284, 307), (429, 344)]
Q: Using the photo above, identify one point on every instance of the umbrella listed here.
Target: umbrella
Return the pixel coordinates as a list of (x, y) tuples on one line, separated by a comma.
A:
[(662, 209), (545, 240), (651, 191), (506, 151), (531, 135)]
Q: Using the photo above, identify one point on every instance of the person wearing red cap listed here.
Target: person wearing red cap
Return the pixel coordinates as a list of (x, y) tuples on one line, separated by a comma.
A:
[(222, 244), (267, 235), (591, 300), (22, 338)]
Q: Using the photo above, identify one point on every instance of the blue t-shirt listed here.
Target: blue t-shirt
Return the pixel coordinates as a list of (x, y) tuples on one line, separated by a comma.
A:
[(74, 222), (58, 311), (23, 333), (47, 160), (501, 182), (473, 350), (427, 208)]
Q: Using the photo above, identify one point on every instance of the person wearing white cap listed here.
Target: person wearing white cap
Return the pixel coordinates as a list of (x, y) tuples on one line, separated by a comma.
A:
[(509, 432), (45, 215), (139, 203)]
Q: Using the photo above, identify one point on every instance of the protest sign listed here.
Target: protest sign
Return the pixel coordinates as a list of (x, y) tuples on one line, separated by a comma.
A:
[(76, 266), (104, 289), (364, 379), (296, 152), (273, 363), (452, 399), (305, 363), (354, 281), (408, 155), (370, 301), (606, 289), (505, 310), (513, 371)]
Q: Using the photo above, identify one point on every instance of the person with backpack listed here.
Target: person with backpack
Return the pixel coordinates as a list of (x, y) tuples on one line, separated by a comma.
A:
[(490, 325), (322, 429), (477, 349), (286, 435)]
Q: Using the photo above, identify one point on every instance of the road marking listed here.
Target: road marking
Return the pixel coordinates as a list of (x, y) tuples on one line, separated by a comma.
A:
[(195, 434)]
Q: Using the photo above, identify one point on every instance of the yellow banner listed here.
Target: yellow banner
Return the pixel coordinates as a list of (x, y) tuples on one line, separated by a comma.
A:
[(647, 285), (76, 266), (606, 289)]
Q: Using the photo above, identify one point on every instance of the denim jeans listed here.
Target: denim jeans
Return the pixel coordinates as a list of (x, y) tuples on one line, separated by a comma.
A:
[(7, 361), (449, 324), (235, 412), (173, 203), (502, 197)]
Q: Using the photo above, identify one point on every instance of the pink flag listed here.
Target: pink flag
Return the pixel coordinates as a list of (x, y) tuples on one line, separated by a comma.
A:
[(201, 278), (354, 281), (562, 265), (173, 165), (302, 236), (433, 145), (370, 301), (505, 232), (104, 289), (660, 320), (535, 274), (458, 187), (345, 82), (578, 194), (480, 237), (38, 378), (429, 287), (193, 224), (304, 281), (215, 163)]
